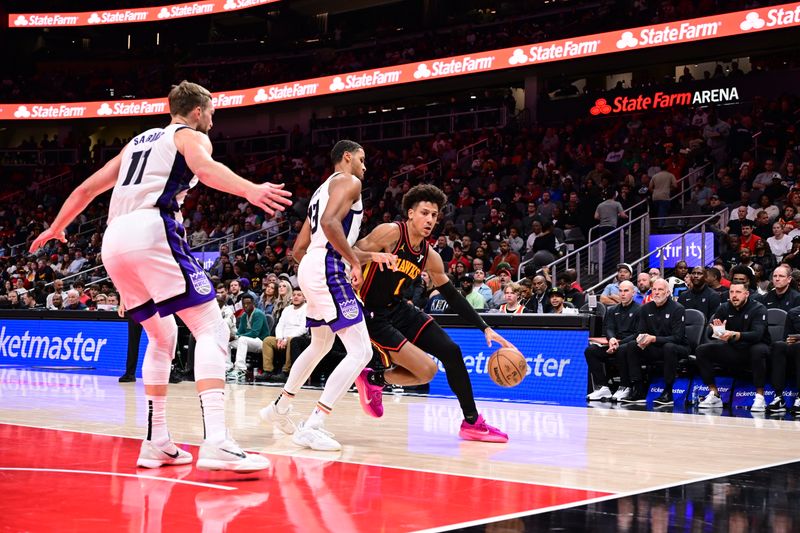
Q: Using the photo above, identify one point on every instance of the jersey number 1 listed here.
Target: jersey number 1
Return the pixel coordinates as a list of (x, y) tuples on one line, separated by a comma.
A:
[(135, 157)]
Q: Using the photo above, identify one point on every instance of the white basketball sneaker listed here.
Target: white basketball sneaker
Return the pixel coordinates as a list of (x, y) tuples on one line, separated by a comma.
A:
[(282, 421), (711, 401), (603, 393), (622, 393), (316, 438), (152, 456), (759, 404), (227, 455)]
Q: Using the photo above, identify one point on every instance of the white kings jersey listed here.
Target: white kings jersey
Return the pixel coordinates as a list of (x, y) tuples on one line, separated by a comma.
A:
[(153, 174), (317, 206)]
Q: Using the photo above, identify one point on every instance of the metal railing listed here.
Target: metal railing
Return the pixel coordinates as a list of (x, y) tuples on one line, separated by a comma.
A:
[(591, 254), (658, 252), (470, 149), (683, 191)]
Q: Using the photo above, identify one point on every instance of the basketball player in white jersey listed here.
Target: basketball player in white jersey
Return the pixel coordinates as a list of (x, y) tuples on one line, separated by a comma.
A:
[(329, 274), (146, 254)]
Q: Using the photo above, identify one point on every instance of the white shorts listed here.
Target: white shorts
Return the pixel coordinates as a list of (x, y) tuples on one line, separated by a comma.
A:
[(148, 259), (330, 299)]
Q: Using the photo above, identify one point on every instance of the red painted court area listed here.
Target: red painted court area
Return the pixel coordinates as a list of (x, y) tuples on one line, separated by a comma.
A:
[(54, 480)]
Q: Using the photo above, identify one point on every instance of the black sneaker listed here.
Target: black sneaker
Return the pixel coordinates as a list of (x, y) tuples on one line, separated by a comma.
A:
[(665, 398), (777, 405), (127, 378), (638, 394), (264, 377)]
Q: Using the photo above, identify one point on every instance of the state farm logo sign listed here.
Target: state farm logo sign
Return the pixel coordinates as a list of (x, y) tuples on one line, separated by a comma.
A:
[(775, 17), (686, 31), (555, 51), (662, 100)]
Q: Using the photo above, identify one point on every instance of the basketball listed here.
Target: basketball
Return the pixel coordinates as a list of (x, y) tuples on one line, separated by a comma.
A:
[(507, 367)]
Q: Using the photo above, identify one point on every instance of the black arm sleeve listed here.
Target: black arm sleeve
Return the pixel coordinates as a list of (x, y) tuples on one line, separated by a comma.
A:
[(461, 306)]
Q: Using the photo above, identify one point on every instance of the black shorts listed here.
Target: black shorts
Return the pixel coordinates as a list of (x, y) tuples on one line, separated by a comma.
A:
[(389, 329)]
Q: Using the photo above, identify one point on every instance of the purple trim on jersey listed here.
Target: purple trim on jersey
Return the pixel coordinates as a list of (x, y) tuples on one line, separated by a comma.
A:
[(198, 288), (178, 181), (143, 312), (348, 307)]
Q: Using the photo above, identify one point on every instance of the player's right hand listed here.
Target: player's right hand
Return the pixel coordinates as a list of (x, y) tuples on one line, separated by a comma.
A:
[(47, 235), (270, 197), (383, 258), (356, 277)]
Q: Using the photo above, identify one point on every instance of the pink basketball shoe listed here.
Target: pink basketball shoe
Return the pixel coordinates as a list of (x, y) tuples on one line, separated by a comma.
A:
[(371, 396), (481, 431)]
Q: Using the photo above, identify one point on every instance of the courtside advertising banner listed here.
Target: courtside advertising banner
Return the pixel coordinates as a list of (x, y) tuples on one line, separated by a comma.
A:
[(129, 15), (686, 31), (693, 249), (90, 346), (557, 371)]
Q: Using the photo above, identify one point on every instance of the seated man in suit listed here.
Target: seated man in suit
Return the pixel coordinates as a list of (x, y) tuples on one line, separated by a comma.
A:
[(620, 325), (292, 323)]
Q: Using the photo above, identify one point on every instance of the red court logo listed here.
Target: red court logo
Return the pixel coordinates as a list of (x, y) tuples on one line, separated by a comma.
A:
[(600, 107)]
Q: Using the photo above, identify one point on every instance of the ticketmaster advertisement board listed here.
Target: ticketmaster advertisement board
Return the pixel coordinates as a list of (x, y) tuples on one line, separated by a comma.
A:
[(98, 346), (557, 371)]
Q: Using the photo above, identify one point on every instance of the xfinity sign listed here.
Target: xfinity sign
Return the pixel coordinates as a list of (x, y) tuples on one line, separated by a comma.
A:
[(689, 249)]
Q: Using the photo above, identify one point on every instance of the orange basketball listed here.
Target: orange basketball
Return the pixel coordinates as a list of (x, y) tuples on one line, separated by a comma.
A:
[(507, 367)]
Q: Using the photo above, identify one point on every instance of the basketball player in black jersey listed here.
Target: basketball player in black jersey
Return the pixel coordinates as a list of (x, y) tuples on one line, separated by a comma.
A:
[(402, 333)]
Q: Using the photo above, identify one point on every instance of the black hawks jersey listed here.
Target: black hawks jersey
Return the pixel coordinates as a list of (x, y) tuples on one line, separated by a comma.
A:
[(385, 288)]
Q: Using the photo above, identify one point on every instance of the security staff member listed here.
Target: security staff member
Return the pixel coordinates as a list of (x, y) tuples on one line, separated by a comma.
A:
[(700, 296), (620, 325), (782, 296), (740, 324), (661, 335), (781, 350)]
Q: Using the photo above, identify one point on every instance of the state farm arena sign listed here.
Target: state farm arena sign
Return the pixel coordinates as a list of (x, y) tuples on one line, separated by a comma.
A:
[(664, 100), (613, 42), (127, 16)]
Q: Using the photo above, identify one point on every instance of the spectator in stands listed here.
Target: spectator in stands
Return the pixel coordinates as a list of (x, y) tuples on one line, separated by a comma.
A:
[(763, 257), (227, 311), (661, 186), (292, 324), (620, 326), (661, 335), (268, 298), (610, 294), (505, 255), (284, 299), (478, 285), (73, 301), (515, 242), (764, 179), (701, 193), (58, 288), (512, 305), (740, 325), (782, 295), (762, 228), (642, 294), (557, 301), (608, 213), (443, 249), (700, 296), (250, 333), (476, 300), (734, 226), (748, 239), (793, 257), (716, 133), (546, 240), (781, 350), (458, 257), (539, 302), (571, 294), (677, 281), (780, 244), (56, 302)]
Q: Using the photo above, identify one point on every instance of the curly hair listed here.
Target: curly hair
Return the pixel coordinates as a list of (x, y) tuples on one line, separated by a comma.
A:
[(423, 193)]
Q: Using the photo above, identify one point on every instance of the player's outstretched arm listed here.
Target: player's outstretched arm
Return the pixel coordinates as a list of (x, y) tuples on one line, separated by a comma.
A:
[(457, 302), (196, 149), (376, 246), (95, 185), (302, 242)]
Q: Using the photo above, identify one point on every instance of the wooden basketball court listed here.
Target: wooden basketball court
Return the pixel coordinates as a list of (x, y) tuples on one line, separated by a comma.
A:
[(69, 445)]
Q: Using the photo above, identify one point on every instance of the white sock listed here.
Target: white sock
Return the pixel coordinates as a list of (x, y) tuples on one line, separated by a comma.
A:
[(157, 431), (212, 404), (284, 401), (318, 415)]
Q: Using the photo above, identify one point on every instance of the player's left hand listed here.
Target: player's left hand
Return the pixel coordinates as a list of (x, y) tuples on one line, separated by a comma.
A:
[(47, 235), (493, 336), (356, 277)]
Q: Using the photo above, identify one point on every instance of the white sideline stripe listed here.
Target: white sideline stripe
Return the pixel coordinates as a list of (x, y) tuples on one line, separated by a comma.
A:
[(119, 474), (521, 514)]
